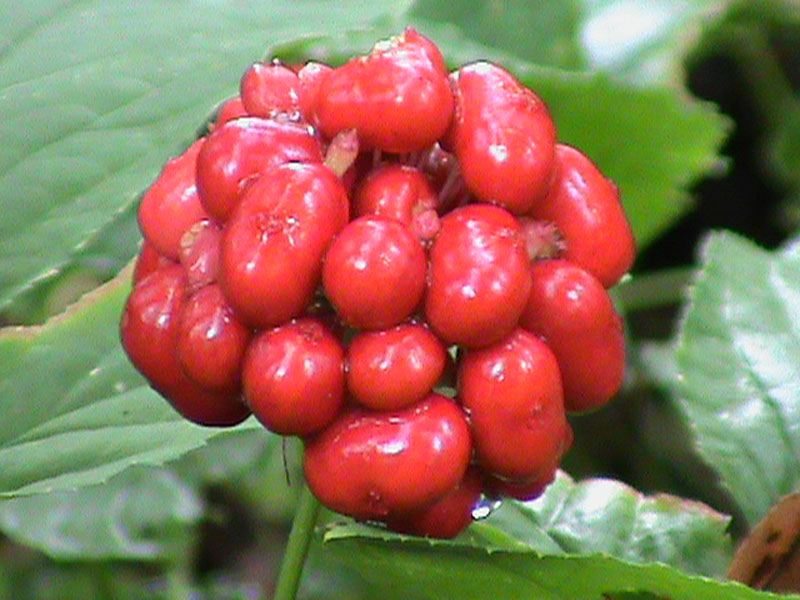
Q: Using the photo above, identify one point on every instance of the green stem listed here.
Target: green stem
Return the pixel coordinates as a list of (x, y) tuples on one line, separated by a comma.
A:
[(305, 518), (659, 288)]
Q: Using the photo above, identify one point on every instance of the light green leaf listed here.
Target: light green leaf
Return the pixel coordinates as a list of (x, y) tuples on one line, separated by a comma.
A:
[(75, 410), (142, 514), (643, 41), (601, 516), (739, 361), (546, 32), (452, 569), (95, 96)]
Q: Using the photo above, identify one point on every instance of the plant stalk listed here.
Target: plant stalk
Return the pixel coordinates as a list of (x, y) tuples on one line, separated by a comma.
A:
[(305, 518)]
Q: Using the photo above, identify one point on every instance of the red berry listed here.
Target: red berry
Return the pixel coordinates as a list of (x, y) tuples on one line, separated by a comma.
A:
[(230, 110), (374, 273), (513, 396), (149, 331), (370, 465), (572, 311), (272, 248), (400, 192), (269, 88), (311, 76), (447, 517), (521, 490), (293, 377), (393, 368), (171, 205), (149, 260), (479, 277), (585, 207), (199, 256), (397, 97), (503, 136), (528, 489), (244, 148), (211, 340)]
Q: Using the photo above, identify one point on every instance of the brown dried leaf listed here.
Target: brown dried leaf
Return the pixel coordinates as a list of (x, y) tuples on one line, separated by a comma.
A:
[(769, 557)]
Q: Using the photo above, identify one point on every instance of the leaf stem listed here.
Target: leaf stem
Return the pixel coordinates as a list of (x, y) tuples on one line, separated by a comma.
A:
[(658, 288), (305, 518)]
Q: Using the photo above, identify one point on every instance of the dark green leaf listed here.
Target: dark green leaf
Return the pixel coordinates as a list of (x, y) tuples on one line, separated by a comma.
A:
[(739, 360), (443, 569)]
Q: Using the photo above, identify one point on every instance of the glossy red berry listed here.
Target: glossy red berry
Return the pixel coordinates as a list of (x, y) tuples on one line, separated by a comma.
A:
[(447, 517), (149, 260), (479, 279), (272, 248), (240, 150), (293, 377), (199, 255), (397, 97), (171, 205), (230, 110), (211, 340), (503, 136), (572, 311), (400, 192), (528, 489), (369, 465), (521, 490), (585, 207), (269, 88), (311, 76), (392, 368), (149, 331), (512, 393), (374, 273)]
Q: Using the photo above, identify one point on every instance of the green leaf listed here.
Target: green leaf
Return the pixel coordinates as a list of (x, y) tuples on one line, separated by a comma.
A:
[(739, 361), (142, 514), (95, 96), (452, 569), (644, 42), (546, 32), (654, 142), (150, 513), (75, 410), (601, 516)]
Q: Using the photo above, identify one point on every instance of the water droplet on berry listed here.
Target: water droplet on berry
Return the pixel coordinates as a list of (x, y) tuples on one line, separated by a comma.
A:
[(485, 507)]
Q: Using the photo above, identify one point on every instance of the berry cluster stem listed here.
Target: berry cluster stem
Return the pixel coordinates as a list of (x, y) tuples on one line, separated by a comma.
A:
[(305, 518)]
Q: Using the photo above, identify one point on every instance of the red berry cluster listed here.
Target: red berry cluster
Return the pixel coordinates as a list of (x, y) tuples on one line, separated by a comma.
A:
[(344, 242)]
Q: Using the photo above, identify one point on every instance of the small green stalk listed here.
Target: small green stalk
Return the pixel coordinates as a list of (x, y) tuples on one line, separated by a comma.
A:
[(294, 558)]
